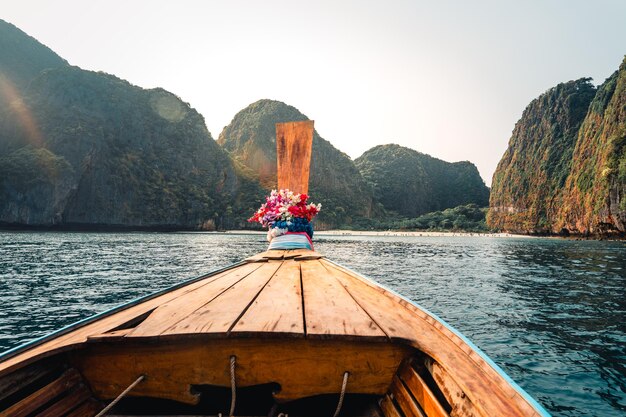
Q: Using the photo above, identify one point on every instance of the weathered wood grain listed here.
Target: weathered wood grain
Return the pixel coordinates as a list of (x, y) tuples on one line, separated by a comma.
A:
[(302, 367), (43, 396), (293, 155), (220, 314), (22, 378), (66, 404), (178, 309), (330, 311), (280, 254), (388, 407), (109, 336), (307, 255), (421, 392), (461, 404), (278, 308), (403, 398), (274, 254), (89, 408)]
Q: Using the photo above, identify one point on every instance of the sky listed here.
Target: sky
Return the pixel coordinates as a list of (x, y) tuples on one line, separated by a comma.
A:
[(446, 78)]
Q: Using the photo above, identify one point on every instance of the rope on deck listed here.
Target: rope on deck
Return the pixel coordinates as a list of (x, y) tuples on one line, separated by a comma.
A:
[(233, 386), (343, 393), (119, 397)]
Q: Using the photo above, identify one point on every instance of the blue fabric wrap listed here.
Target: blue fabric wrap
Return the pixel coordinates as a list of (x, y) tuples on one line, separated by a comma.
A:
[(296, 225), (290, 242)]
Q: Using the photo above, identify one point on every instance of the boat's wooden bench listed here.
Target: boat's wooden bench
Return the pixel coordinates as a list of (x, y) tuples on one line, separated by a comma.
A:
[(410, 395), (46, 392)]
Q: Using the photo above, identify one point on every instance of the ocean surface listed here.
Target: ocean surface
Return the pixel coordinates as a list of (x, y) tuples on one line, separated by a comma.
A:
[(550, 312)]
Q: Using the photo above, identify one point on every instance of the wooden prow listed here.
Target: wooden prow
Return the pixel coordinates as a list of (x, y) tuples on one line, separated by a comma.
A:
[(294, 141)]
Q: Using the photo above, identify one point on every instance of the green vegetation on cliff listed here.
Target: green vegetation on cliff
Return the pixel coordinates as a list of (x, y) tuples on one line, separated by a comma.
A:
[(335, 181), (537, 162), (594, 197), (137, 158), (412, 183), (565, 168)]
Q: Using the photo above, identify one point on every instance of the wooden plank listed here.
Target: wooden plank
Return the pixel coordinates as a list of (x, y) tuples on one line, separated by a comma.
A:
[(302, 367), (67, 403), (274, 254), (89, 408), (403, 398), (220, 314), (388, 407), (330, 311), (393, 318), (292, 253), (309, 256), (461, 404), (421, 392), (171, 313), (294, 142), (278, 308), (18, 380), (43, 396), (279, 254), (303, 254), (110, 336)]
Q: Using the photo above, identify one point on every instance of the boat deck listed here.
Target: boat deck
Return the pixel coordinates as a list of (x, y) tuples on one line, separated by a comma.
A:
[(274, 294)]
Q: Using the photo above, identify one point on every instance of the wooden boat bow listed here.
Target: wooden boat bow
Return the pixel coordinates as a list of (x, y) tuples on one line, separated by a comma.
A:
[(274, 313)]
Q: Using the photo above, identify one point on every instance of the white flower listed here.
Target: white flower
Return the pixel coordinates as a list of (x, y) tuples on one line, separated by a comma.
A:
[(275, 232)]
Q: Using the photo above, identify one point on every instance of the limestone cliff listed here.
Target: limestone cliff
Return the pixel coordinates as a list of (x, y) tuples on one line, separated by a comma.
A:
[(565, 168), (534, 168), (594, 197)]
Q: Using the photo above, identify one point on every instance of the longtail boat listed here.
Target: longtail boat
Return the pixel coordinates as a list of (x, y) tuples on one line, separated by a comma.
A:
[(286, 332)]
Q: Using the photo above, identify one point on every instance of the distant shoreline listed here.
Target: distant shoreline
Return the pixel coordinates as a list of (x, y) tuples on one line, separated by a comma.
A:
[(425, 233), (396, 233), (414, 233), (102, 228)]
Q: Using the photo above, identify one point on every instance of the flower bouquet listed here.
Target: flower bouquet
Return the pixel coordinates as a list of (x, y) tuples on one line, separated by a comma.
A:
[(286, 212)]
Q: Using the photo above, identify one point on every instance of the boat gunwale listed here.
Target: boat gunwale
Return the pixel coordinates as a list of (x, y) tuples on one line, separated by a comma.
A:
[(8, 354), (525, 395)]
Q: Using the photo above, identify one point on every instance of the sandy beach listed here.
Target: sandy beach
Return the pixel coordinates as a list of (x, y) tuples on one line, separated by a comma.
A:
[(411, 234)]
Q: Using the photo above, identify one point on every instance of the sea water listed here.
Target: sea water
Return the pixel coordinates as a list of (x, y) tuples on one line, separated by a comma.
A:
[(550, 312)]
